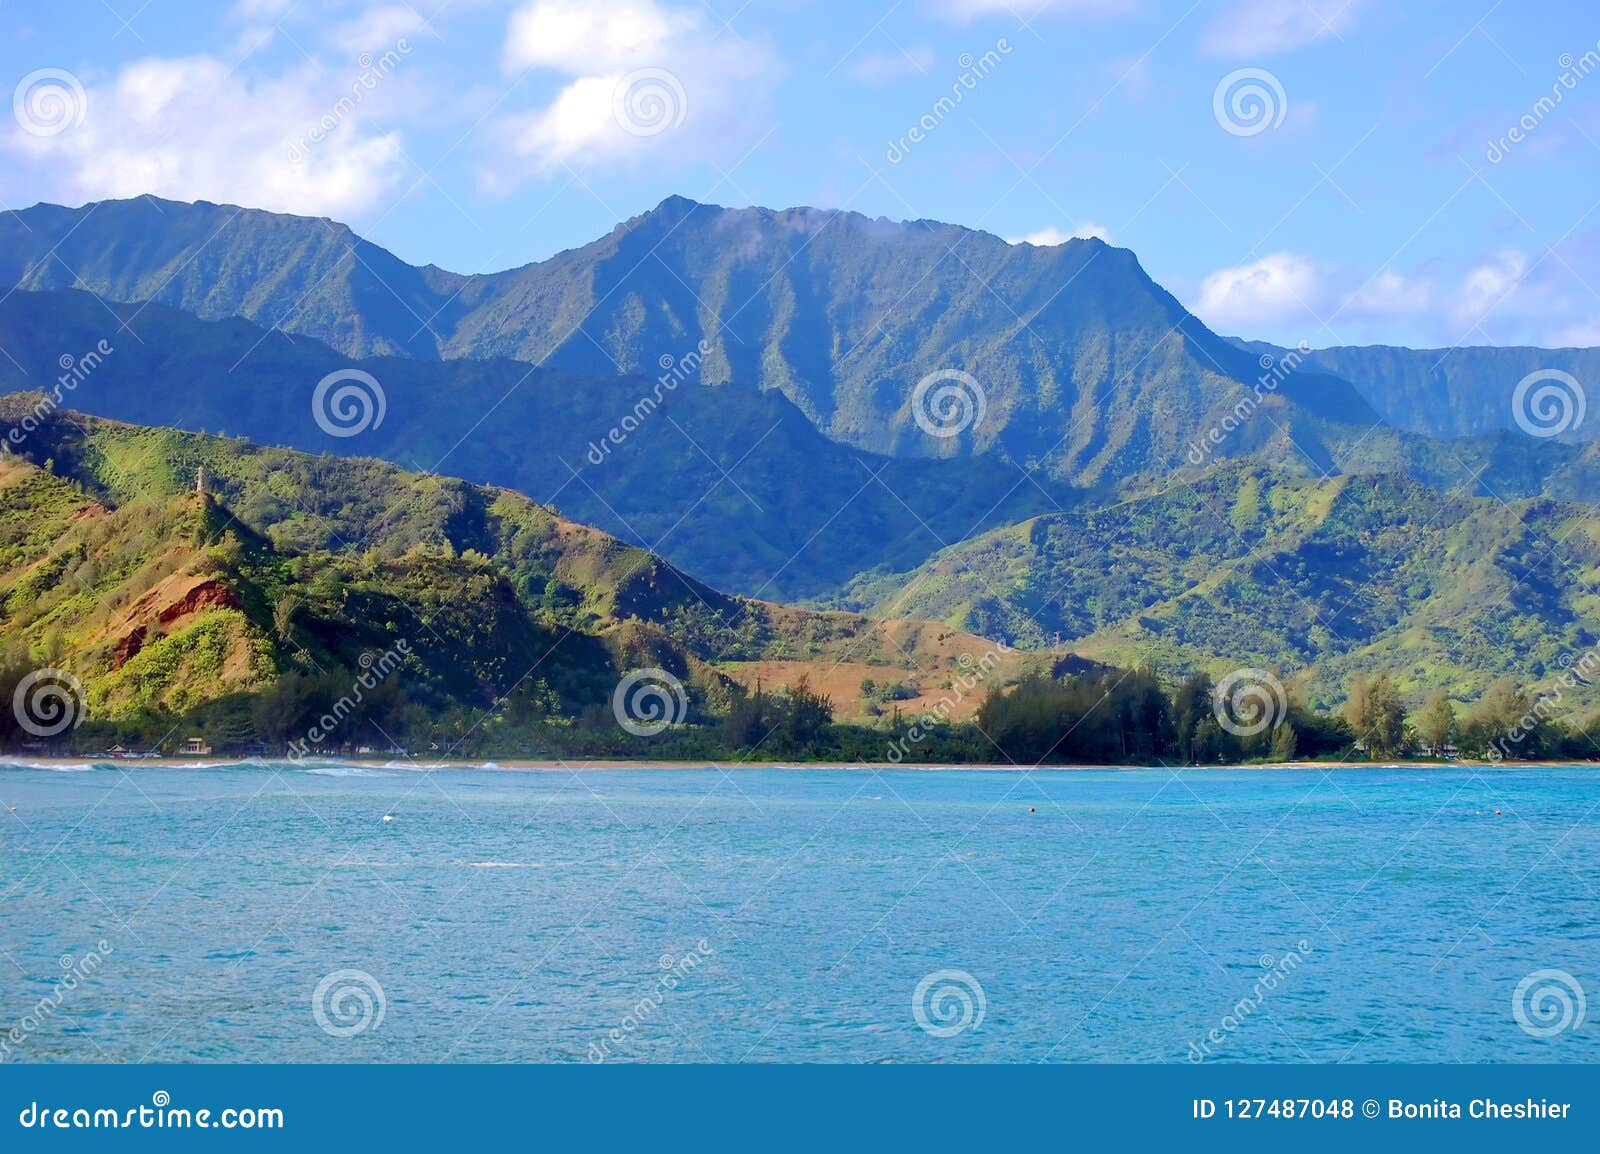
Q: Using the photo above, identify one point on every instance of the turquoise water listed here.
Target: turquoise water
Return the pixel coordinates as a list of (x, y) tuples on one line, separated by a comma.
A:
[(791, 915)]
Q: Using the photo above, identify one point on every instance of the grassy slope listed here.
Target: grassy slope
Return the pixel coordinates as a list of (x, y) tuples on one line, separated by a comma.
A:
[(1322, 578), (477, 579)]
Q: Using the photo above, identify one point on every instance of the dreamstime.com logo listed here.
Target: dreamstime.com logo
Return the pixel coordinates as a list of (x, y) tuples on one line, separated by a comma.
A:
[(948, 1002), (348, 1002), (1249, 101), (74, 371), (48, 102), (674, 371), (375, 669), (648, 102), (648, 701), (74, 972), (948, 402), (347, 402), (674, 971), (1249, 701), (1548, 402), (973, 70), (1274, 371), (973, 674), (1547, 1003), (48, 702), (160, 1114), (1274, 972), (373, 71)]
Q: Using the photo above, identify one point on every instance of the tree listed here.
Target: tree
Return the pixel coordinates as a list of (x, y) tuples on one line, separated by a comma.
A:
[(1376, 715), (1212, 744), (283, 614), (1506, 720), (1283, 742), (1190, 703), (1436, 724)]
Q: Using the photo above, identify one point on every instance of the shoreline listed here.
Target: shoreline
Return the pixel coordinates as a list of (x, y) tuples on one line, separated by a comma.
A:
[(580, 765)]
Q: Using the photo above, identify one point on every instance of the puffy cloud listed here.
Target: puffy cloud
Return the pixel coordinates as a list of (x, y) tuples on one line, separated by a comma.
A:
[(644, 78), (379, 28), (1249, 28), (1264, 295), (1051, 235), (1505, 298), (194, 128)]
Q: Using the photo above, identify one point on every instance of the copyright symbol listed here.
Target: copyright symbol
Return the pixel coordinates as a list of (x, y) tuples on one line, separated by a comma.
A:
[(1370, 1108)]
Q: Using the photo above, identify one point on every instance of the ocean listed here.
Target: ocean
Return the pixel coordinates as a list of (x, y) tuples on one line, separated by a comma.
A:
[(333, 912)]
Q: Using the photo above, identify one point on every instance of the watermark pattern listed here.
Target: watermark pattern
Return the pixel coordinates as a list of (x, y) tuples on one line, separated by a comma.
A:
[(973, 70), (948, 402), (648, 102), (1548, 402), (374, 671), (649, 701), (1249, 701), (48, 102), (1249, 101), (1575, 671), (75, 971), (674, 371), (160, 1114), (49, 702), (1572, 71), (1548, 1002), (74, 371), (348, 1002), (974, 674), (1276, 970), (373, 72), (347, 402), (673, 973), (1274, 371), (948, 1002)]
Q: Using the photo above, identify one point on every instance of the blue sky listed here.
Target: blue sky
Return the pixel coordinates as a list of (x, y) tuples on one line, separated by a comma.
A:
[(1366, 187)]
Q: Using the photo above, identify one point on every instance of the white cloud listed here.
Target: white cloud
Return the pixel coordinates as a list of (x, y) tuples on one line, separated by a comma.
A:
[(1051, 235), (191, 128), (379, 28), (644, 79), (964, 11), (882, 67), (1260, 296), (1504, 298), (579, 37), (1249, 28)]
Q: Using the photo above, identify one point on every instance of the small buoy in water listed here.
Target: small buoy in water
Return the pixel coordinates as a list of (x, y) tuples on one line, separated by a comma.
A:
[(388, 817)]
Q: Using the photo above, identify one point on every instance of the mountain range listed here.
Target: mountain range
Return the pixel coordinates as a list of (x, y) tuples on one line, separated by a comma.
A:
[(1034, 443), (169, 569)]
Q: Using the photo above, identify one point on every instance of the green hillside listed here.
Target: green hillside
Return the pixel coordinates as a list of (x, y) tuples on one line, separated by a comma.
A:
[(290, 571), (1325, 578)]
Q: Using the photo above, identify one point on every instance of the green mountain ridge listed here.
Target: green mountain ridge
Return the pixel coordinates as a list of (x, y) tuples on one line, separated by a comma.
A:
[(1455, 392), (732, 484), (163, 600), (1318, 578), (1089, 370)]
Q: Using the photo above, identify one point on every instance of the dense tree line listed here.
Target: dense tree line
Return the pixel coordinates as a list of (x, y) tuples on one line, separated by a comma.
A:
[(1103, 716)]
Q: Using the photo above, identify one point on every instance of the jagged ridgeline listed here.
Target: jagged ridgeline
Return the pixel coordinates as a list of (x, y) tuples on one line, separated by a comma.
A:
[(260, 597)]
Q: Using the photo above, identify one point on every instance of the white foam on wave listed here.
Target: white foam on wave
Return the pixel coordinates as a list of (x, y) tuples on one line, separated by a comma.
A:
[(343, 771), (52, 766)]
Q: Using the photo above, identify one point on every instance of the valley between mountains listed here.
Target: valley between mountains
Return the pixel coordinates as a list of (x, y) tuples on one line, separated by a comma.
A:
[(811, 445)]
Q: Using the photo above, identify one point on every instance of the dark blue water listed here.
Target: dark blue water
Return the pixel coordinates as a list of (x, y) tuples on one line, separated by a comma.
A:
[(261, 912)]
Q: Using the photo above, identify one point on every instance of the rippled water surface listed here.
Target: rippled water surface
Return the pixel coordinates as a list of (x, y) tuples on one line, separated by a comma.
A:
[(269, 912)]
